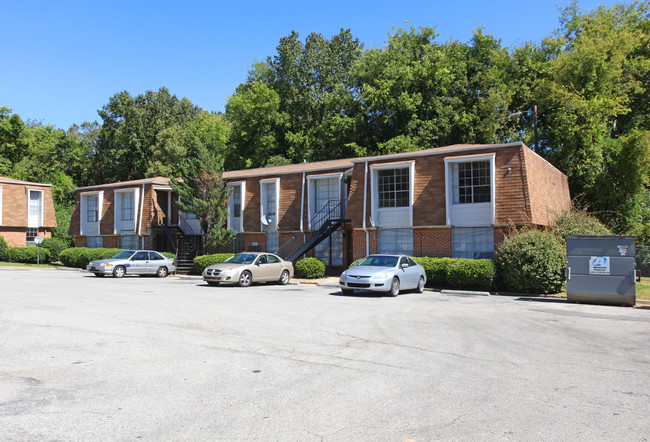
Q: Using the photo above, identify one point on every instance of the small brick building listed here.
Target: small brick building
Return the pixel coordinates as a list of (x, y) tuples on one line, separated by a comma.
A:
[(26, 211), (456, 201), (131, 215)]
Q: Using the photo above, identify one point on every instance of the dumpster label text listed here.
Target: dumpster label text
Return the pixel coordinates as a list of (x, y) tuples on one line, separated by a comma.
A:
[(599, 265)]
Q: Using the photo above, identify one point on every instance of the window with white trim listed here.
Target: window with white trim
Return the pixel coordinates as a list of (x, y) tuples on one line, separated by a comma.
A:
[(92, 208), (471, 182), (127, 206), (395, 241), (236, 201), (31, 234), (473, 242), (393, 187)]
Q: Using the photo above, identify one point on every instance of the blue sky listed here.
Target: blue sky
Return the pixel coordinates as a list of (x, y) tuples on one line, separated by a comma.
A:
[(61, 61)]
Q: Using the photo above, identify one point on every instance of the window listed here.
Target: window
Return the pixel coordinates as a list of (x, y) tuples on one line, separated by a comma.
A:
[(236, 198), (395, 241), (473, 242), (272, 259), (270, 199), (393, 187), (127, 205), (34, 202), (141, 256), (261, 259), (155, 256), (92, 208), (129, 242), (238, 243), (94, 242), (272, 242), (31, 234), (471, 182)]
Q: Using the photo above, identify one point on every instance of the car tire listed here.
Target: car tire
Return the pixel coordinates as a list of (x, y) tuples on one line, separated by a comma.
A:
[(284, 277), (347, 291), (245, 279), (162, 272), (420, 287), (394, 287), (119, 271), (99, 275)]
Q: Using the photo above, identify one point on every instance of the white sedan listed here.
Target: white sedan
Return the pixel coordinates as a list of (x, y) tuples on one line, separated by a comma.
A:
[(384, 273)]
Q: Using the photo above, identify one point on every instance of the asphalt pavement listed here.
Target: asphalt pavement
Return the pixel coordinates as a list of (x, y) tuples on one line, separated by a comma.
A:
[(85, 358)]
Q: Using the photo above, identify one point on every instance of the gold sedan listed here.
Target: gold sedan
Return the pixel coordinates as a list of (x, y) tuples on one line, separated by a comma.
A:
[(246, 268)]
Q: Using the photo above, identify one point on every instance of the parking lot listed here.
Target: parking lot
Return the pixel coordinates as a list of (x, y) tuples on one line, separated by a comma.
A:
[(84, 358)]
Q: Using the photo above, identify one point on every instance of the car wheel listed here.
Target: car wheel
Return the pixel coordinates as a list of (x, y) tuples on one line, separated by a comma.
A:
[(284, 277), (119, 271), (162, 272), (245, 279), (99, 275), (394, 287), (347, 291), (420, 287), (212, 283)]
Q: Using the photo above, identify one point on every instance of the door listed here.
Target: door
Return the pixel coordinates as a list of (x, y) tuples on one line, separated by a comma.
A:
[(408, 274), (140, 263), (35, 208)]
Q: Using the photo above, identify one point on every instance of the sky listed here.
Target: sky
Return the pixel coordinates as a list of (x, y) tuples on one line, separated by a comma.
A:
[(61, 61)]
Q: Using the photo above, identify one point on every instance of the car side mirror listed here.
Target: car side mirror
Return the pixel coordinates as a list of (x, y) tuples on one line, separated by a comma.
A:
[(404, 265)]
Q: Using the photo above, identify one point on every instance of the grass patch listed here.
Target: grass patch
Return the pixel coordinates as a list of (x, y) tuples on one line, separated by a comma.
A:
[(22, 264)]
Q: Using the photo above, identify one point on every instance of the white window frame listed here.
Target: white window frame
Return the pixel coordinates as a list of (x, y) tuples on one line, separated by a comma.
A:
[(84, 213), (374, 192), (117, 212), (449, 196), (276, 181), (231, 205), (311, 192), (40, 209)]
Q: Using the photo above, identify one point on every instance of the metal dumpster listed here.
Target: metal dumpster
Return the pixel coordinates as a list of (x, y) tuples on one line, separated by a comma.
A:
[(601, 269)]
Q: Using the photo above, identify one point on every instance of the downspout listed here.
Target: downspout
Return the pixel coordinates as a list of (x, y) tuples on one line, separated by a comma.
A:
[(365, 201), (302, 207), (140, 217)]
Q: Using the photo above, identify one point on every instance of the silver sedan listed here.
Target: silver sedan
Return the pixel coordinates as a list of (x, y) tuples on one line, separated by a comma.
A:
[(384, 273), (246, 268), (133, 262)]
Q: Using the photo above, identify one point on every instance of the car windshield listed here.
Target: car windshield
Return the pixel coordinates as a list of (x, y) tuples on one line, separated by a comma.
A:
[(242, 258), (126, 254), (379, 261)]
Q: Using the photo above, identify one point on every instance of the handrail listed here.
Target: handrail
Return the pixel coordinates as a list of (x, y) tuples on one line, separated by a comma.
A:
[(332, 210)]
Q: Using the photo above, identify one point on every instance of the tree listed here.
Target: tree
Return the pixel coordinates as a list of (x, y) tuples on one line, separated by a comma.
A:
[(130, 129)]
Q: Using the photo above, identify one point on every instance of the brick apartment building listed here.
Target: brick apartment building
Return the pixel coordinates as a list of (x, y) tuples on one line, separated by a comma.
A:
[(26, 211), (131, 215), (456, 201)]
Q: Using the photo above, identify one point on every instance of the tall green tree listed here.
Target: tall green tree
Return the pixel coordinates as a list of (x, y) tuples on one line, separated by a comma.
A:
[(130, 129)]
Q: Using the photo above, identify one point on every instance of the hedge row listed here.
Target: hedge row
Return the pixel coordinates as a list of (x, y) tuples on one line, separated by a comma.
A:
[(202, 261), (474, 274), (81, 256), (29, 254)]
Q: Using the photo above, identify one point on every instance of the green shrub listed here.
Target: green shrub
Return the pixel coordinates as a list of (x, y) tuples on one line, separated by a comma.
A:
[(55, 246), (310, 268), (202, 261), (476, 274), (80, 256), (531, 262), (29, 254), (577, 222), (168, 255), (3, 247), (435, 268)]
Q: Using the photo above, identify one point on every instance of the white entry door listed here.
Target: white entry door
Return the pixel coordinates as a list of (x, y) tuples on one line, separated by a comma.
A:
[(35, 210)]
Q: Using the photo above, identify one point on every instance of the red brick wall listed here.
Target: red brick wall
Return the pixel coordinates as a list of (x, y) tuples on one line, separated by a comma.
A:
[(432, 241), (548, 188), (512, 201), (17, 236), (14, 205)]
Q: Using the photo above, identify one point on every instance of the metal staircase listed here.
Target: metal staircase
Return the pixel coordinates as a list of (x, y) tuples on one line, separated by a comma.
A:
[(185, 246), (325, 222)]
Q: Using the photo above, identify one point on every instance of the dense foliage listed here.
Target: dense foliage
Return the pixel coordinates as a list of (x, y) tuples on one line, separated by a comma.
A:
[(531, 262), (587, 85), (55, 246), (472, 274), (29, 254), (80, 257), (201, 262), (310, 268)]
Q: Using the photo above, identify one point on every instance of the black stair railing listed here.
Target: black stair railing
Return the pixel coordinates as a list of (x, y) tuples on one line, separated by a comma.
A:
[(322, 225)]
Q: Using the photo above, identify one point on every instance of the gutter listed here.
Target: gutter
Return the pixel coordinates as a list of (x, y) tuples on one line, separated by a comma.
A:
[(365, 202)]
